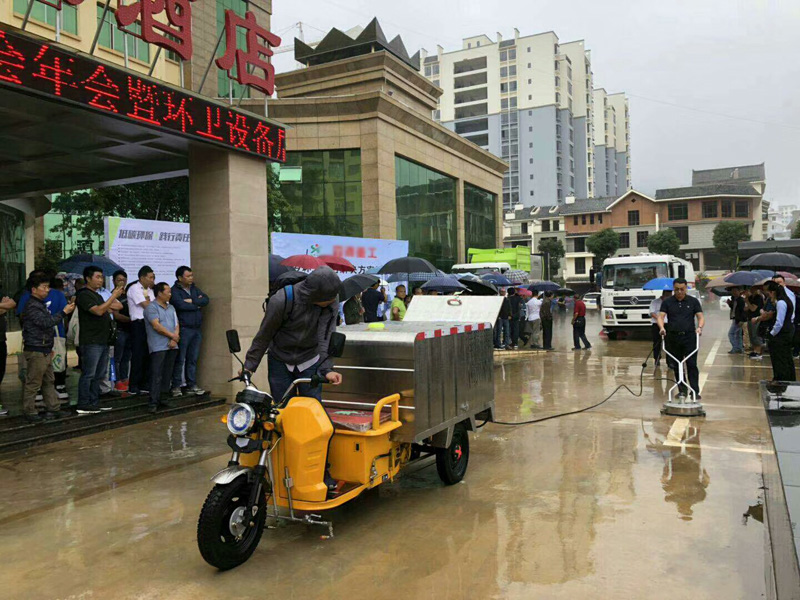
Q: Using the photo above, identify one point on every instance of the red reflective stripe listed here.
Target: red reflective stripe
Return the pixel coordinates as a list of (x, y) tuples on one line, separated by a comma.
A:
[(453, 330), (437, 333), (420, 335)]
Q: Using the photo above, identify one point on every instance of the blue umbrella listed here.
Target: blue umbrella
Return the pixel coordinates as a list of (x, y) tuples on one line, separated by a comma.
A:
[(764, 273), (660, 284), (415, 276), (743, 278), (543, 286), (497, 279), (78, 262), (443, 285)]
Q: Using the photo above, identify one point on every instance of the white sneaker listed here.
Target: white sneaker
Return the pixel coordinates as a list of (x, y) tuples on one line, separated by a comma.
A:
[(62, 393)]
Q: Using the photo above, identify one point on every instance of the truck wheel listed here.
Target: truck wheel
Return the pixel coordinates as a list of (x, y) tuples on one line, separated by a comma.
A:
[(612, 335), (225, 535), (451, 462)]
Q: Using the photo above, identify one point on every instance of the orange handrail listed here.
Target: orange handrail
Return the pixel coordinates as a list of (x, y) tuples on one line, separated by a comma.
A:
[(394, 400)]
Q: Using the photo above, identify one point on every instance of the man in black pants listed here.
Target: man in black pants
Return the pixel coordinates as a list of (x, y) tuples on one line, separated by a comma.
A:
[(681, 333), (140, 295), (6, 304), (655, 307), (546, 314)]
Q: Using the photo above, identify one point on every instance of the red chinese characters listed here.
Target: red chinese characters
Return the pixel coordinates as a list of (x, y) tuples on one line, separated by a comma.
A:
[(54, 68), (259, 43), (213, 124), (177, 111), (144, 98), (238, 130), (12, 61), (175, 36), (106, 92)]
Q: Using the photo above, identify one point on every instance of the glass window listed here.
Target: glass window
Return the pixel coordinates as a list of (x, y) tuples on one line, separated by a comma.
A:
[(556, 225), (114, 38), (710, 209), (503, 71), (633, 218), (591, 219), (683, 234), (575, 220), (480, 218), (641, 239), (583, 219), (632, 275), (545, 225), (727, 209), (426, 212), (600, 218), (12, 256), (512, 54), (503, 56), (625, 240), (742, 209), (327, 200), (580, 244), (678, 211), (224, 83), (45, 13), (580, 265)]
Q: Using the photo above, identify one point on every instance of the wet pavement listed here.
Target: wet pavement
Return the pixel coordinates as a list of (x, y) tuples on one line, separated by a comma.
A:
[(618, 500)]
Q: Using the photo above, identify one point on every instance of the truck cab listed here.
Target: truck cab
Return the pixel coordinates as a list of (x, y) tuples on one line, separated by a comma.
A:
[(625, 305)]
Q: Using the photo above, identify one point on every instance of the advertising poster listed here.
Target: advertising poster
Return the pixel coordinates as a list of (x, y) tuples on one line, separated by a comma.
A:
[(162, 245)]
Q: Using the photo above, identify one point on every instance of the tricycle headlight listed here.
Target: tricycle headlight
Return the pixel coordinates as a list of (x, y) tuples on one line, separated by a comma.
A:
[(241, 418)]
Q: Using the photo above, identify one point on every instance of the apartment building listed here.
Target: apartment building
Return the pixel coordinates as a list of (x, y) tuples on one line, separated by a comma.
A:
[(612, 175), (529, 100)]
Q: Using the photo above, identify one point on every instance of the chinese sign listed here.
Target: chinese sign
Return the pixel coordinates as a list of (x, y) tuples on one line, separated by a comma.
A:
[(258, 43), (175, 35), (36, 66), (163, 245), (364, 253)]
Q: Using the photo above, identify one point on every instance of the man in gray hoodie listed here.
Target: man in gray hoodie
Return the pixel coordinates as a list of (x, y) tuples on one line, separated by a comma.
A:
[(297, 330)]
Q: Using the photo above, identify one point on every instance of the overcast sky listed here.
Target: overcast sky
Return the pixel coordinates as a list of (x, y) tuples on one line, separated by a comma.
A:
[(711, 83)]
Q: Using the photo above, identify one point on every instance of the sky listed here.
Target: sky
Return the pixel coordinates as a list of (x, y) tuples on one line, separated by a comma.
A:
[(711, 83)]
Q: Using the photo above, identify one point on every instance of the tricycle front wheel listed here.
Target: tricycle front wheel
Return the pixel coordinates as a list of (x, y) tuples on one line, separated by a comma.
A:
[(451, 462)]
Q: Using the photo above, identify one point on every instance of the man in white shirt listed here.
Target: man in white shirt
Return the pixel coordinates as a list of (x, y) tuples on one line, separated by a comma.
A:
[(533, 308), (655, 307), (140, 295)]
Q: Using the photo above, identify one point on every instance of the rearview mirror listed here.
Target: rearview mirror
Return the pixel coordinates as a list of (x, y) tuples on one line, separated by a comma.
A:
[(336, 345), (233, 341)]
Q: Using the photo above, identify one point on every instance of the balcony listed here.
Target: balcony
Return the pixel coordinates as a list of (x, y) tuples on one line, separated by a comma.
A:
[(469, 65), (471, 80), (474, 95), (476, 126)]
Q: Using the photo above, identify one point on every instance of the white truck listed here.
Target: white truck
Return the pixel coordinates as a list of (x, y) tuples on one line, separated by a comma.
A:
[(624, 304)]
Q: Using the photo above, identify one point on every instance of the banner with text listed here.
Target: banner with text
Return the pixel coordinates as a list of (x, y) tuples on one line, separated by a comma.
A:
[(364, 253), (162, 245)]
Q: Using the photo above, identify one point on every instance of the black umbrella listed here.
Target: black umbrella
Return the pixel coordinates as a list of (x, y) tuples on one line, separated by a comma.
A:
[(78, 262), (543, 286), (443, 285), (408, 264), (773, 260), (276, 269), (289, 278), (564, 292), (478, 287), (356, 284)]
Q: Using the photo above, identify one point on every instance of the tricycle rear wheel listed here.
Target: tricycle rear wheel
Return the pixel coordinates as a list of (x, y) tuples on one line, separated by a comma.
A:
[(451, 462)]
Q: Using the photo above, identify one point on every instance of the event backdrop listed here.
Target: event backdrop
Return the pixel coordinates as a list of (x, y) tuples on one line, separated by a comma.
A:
[(162, 245)]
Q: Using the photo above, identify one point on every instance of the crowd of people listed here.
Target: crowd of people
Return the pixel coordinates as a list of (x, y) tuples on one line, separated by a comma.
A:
[(139, 338), (769, 314)]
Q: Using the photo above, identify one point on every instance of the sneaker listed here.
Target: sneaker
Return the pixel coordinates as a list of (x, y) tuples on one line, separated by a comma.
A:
[(33, 418), (133, 392), (516, 347), (144, 392), (198, 391), (87, 410), (39, 397), (61, 392), (63, 414), (577, 348), (3, 411), (105, 408), (589, 347), (757, 357), (49, 416), (752, 354), (121, 386), (176, 392)]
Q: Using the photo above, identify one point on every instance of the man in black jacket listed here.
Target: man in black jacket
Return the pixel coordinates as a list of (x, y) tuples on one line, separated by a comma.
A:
[(502, 329), (38, 331), (516, 302), (737, 314), (189, 302)]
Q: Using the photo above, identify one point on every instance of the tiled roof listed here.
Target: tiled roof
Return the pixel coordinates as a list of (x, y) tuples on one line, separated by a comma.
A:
[(729, 174), (587, 205), (699, 191), (544, 212)]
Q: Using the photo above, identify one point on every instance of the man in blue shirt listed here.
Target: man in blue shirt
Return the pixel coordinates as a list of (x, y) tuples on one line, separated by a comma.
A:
[(163, 335)]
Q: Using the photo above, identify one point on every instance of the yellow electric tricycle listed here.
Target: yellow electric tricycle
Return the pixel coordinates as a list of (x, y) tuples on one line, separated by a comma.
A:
[(362, 435)]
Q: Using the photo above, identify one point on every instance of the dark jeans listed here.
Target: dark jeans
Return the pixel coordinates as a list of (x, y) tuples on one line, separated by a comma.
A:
[(680, 345), (140, 356), (3, 358), (515, 323), (188, 353), (161, 365), (280, 379), (780, 351), (502, 333), (122, 354), (547, 333), (579, 333), (656, 341), (795, 340), (95, 365)]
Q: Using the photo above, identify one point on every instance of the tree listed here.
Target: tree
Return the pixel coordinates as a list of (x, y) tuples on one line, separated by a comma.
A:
[(49, 257), (603, 244), (555, 250), (280, 211), (727, 236), (664, 242), (796, 231)]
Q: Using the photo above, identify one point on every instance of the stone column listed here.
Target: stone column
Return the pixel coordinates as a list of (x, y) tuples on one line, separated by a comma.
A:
[(230, 256), (461, 236)]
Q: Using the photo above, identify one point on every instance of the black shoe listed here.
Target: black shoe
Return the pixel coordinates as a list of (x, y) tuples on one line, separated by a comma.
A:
[(153, 409), (105, 408), (577, 348), (166, 404), (49, 416), (111, 394), (33, 418), (63, 414), (589, 347), (87, 410)]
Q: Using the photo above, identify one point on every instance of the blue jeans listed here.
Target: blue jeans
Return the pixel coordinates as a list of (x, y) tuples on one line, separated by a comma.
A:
[(735, 336), (94, 365), (188, 353), (122, 354), (280, 379), (502, 328)]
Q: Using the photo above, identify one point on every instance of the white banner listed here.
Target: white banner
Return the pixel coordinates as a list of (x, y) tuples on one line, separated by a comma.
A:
[(364, 253), (162, 245)]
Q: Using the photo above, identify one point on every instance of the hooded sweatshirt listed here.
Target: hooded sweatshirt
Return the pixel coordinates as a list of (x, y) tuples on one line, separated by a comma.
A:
[(298, 330)]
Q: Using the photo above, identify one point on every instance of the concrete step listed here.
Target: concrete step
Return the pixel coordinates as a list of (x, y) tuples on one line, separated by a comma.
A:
[(16, 433)]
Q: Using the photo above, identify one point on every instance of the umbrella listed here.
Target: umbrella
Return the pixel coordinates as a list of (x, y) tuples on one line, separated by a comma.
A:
[(773, 260), (78, 262), (418, 276), (289, 278), (275, 267), (408, 264), (357, 284), (659, 284), (543, 286), (791, 282), (742, 278), (767, 273), (524, 292), (564, 292), (785, 274), (719, 286), (497, 279), (443, 285), (338, 263), (478, 287), (303, 261), (518, 276)]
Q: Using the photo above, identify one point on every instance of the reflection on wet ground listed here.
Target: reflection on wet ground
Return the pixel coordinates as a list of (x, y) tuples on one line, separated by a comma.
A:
[(618, 500)]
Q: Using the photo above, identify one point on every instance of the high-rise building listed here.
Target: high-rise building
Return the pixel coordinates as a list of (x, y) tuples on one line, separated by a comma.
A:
[(531, 101)]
